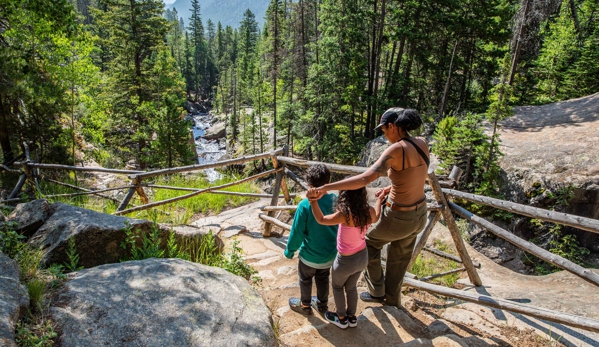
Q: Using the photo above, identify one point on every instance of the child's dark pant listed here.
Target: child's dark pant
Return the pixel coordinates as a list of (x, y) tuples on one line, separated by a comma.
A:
[(321, 277)]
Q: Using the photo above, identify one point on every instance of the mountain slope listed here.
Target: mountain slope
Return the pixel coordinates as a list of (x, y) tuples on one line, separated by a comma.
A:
[(228, 12)]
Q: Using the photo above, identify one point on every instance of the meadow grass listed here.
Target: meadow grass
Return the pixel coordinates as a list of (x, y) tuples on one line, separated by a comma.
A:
[(428, 264), (175, 213)]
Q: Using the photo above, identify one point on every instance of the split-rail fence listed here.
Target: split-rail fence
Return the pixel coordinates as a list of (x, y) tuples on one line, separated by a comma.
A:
[(442, 207)]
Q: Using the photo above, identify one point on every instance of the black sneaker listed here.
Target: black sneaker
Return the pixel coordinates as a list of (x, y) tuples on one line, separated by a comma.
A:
[(322, 308), (352, 321), (365, 296), (334, 318)]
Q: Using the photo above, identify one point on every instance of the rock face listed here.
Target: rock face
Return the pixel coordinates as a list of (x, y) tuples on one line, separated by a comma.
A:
[(551, 147), (98, 236), (14, 300), (160, 302), (30, 216), (216, 131)]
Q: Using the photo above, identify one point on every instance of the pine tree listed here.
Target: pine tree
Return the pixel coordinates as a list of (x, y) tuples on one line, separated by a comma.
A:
[(35, 43), (140, 24)]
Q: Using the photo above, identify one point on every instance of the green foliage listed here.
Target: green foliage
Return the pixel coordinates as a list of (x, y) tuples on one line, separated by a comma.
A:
[(73, 264), (550, 235), (568, 63), (29, 260), (460, 141), (144, 246), (427, 265), (30, 334), (200, 249), (552, 238), (233, 262), (36, 288), (11, 242)]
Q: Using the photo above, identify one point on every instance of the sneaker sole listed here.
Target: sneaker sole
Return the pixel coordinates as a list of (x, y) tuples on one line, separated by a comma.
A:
[(339, 325)]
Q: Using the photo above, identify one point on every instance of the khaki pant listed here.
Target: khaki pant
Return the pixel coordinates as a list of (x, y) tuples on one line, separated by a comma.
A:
[(399, 228)]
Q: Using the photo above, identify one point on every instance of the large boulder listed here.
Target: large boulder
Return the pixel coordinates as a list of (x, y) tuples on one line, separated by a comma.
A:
[(97, 236), (548, 148), (14, 300), (30, 216), (160, 302), (216, 131)]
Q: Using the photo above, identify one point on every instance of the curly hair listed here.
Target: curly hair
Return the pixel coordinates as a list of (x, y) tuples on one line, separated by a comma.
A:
[(354, 203)]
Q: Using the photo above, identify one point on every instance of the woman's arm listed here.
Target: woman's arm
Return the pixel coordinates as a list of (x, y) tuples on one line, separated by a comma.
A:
[(361, 180), (375, 213), (330, 219)]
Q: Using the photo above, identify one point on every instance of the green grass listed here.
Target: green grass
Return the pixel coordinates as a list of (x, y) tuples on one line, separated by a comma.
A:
[(427, 264), (36, 288), (179, 212), (199, 249)]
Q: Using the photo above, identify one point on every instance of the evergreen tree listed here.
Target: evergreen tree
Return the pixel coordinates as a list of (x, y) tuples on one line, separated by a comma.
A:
[(171, 146), (200, 55), (37, 43), (142, 27)]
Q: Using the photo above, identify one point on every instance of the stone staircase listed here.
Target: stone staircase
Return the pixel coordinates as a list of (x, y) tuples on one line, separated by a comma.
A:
[(423, 319)]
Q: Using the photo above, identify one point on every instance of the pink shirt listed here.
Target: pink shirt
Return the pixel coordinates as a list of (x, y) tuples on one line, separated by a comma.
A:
[(350, 239)]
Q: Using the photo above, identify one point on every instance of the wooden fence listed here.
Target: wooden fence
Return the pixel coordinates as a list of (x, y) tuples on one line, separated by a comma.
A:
[(139, 181), (442, 207)]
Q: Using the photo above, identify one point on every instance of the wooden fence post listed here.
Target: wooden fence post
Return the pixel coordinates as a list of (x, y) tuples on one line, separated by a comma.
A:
[(433, 218), (279, 181), (453, 229)]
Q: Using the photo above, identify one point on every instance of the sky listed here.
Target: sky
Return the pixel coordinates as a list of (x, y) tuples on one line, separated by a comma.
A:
[(168, 2)]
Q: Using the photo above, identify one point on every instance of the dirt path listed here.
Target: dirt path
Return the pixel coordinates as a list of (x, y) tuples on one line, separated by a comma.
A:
[(425, 320)]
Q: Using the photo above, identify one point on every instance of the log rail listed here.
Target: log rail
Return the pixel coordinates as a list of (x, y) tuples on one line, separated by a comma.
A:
[(444, 208)]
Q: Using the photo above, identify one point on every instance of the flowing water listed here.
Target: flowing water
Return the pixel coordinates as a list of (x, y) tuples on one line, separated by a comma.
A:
[(209, 151)]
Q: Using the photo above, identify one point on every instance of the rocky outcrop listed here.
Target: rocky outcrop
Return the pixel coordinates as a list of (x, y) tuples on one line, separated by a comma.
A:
[(216, 131), (549, 148), (14, 300), (97, 236), (30, 216), (160, 302)]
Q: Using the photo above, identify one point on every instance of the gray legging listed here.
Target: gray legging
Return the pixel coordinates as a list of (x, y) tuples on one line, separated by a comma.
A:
[(346, 272)]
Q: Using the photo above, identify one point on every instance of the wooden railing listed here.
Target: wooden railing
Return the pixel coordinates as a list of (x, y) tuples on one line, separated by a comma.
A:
[(441, 207), (139, 178)]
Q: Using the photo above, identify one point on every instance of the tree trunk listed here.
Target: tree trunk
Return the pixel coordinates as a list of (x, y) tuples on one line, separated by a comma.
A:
[(527, 6), (448, 83), (7, 152), (371, 72), (378, 64), (466, 78), (575, 16), (406, 84)]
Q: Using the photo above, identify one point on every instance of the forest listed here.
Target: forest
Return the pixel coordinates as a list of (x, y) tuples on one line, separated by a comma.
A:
[(110, 78)]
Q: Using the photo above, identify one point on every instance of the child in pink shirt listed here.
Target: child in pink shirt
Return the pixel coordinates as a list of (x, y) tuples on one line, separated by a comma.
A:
[(354, 216)]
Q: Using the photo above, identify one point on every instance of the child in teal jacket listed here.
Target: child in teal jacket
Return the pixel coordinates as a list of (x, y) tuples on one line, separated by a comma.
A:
[(317, 246)]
